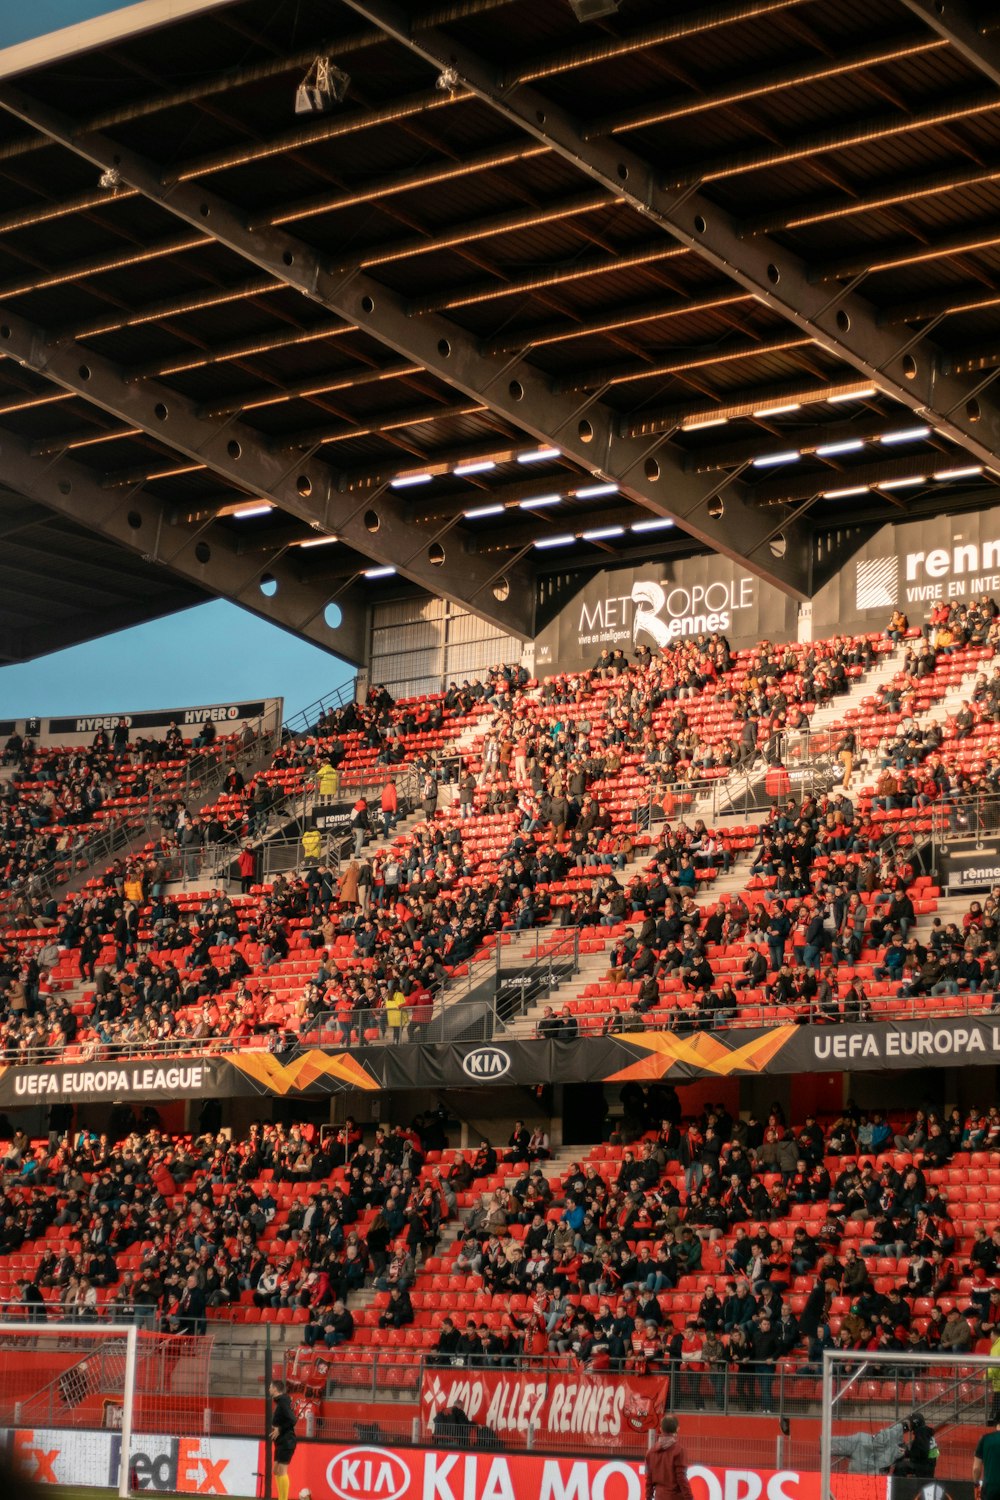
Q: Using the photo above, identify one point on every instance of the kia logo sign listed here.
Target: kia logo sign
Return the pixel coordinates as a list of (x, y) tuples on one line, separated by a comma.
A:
[(486, 1063), (367, 1474)]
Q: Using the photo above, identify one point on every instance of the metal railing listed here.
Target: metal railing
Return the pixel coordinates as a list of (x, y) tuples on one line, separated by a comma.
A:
[(971, 816), (477, 1007), (623, 1018), (304, 721)]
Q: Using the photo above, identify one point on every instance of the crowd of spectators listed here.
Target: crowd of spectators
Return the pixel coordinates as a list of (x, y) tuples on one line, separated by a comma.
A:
[(392, 925), (709, 1204), (174, 1227)]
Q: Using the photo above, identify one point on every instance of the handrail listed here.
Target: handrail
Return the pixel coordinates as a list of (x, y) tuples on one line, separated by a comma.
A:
[(305, 719), (485, 1016)]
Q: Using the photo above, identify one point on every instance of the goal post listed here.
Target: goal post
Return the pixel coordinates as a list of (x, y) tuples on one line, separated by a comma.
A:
[(68, 1399), (870, 1401)]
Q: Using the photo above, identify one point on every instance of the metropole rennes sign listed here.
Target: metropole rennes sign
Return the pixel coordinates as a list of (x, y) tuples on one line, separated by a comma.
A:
[(659, 603), (642, 1057)]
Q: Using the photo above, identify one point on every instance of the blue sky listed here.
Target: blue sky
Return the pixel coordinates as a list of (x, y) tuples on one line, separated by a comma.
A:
[(214, 653)]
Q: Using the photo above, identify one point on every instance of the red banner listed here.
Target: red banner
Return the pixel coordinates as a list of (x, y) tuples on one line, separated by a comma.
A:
[(592, 1409), (363, 1472)]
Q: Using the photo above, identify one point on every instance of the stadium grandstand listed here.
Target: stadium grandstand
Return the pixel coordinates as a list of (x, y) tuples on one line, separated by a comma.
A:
[(592, 1012)]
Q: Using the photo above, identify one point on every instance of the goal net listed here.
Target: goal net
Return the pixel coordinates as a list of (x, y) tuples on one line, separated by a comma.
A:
[(896, 1426), (76, 1397)]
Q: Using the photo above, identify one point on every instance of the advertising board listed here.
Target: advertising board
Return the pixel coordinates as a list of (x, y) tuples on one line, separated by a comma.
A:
[(661, 602)]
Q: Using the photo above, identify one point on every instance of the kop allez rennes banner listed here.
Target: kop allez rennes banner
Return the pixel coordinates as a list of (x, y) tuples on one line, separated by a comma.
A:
[(659, 603), (594, 1412), (912, 567)]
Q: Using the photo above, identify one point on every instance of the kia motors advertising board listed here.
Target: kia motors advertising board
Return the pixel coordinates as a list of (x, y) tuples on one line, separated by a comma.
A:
[(368, 1472), (660, 603)]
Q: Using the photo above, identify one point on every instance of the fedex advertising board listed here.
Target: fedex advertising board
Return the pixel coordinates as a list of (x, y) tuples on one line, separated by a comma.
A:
[(162, 1463)]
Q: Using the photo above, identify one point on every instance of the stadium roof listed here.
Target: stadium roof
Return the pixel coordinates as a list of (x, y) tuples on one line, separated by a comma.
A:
[(536, 293)]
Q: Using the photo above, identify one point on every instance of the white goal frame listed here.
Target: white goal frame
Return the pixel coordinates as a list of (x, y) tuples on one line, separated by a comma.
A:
[(24, 1329), (867, 1364)]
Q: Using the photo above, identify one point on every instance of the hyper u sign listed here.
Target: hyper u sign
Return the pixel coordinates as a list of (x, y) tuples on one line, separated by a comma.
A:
[(48, 29)]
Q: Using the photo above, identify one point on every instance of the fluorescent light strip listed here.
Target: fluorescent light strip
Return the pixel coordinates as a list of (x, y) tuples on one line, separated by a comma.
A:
[(407, 481), (966, 473), (769, 460), (538, 455), (898, 484), (849, 445), (602, 532), (778, 411), (703, 422), (852, 489), (319, 541), (594, 490), (905, 435), (483, 467), (483, 510), (659, 524), (869, 390), (554, 541), (379, 572), (539, 501), (247, 511)]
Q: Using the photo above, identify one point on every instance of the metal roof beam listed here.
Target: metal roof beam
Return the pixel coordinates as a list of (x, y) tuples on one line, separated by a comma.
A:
[(790, 487), (840, 136), (954, 20), (882, 194), (584, 429), (203, 558), (757, 85), (56, 635), (838, 320), (378, 527)]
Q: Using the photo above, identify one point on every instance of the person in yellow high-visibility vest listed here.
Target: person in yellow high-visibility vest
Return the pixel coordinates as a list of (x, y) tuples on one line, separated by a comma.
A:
[(993, 1381), (327, 781), (312, 845), (395, 1013)]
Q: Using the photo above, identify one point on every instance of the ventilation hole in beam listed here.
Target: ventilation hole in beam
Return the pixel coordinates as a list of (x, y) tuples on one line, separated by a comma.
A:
[(268, 585), (134, 520), (435, 554), (203, 552), (501, 590), (373, 521), (333, 616)]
